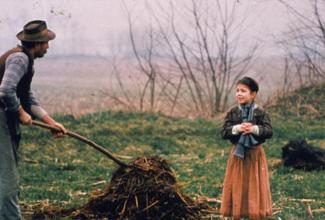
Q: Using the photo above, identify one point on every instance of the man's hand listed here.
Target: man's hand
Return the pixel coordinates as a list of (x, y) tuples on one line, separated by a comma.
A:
[(63, 130), (24, 117), (47, 119)]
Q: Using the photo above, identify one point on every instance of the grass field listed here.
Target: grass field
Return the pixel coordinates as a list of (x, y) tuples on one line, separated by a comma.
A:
[(64, 171)]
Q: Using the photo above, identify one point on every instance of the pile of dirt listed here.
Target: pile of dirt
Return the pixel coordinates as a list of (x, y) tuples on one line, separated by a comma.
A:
[(147, 189)]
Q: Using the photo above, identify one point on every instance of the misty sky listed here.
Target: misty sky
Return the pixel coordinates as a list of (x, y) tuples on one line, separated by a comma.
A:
[(98, 27)]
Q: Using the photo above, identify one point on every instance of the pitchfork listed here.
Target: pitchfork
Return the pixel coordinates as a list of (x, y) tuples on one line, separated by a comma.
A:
[(85, 140)]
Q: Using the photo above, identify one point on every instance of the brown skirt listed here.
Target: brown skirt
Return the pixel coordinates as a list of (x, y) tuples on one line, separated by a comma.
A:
[(246, 188)]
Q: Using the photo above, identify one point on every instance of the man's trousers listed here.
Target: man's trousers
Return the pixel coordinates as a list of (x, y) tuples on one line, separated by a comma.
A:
[(9, 189)]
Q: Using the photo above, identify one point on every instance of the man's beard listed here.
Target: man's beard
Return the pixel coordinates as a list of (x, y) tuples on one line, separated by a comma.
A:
[(40, 55)]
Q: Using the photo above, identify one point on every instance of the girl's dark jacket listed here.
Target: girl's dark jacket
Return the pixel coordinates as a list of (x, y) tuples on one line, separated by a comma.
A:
[(260, 118)]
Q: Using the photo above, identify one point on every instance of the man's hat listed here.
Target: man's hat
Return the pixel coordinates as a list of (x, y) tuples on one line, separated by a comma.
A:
[(36, 31)]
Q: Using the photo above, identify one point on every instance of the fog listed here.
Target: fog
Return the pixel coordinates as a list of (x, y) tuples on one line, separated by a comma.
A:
[(76, 73), (99, 27)]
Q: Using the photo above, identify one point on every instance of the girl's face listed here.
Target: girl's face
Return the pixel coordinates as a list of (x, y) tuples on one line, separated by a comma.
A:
[(244, 95)]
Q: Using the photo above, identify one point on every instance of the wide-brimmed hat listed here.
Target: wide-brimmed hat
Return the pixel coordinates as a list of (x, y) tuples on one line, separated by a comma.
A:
[(36, 31)]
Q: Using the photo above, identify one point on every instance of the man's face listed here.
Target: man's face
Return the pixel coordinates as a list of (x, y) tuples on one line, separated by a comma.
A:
[(41, 49)]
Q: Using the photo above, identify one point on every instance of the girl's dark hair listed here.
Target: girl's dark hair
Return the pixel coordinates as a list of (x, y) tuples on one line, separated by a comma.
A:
[(249, 82)]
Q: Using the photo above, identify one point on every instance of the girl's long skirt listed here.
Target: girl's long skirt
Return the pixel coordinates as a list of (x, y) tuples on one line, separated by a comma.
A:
[(246, 188)]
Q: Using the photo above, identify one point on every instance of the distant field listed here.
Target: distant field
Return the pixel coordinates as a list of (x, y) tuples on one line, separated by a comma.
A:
[(79, 85)]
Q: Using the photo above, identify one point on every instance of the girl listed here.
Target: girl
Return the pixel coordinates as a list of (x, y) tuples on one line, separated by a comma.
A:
[(246, 189)]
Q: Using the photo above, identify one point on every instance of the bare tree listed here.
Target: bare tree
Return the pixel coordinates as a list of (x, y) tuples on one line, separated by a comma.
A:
[(304, 42), (190, 54)]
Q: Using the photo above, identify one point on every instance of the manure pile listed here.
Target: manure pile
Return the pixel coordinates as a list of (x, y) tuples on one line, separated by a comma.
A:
[(147, 189)]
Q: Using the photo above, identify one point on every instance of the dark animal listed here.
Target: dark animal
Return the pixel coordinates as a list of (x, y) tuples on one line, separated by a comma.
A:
[(300, 155)]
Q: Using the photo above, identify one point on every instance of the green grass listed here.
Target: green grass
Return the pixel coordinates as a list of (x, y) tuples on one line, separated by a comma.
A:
[(305, 102), (65, 171)]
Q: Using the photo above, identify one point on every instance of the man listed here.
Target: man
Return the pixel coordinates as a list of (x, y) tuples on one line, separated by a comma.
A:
[(18, 105)]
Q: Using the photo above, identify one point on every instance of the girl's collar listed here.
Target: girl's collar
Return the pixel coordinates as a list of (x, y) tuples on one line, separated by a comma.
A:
[(254, 107)]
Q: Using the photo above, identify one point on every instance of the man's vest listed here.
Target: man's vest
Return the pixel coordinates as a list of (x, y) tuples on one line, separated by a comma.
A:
[(24, 84), (22, 91)]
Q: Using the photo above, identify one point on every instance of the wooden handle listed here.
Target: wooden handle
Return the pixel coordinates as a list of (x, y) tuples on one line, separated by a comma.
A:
[(85, 140)]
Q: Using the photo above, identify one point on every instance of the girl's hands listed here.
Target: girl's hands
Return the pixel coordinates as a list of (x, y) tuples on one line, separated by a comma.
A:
[(246, 128)]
